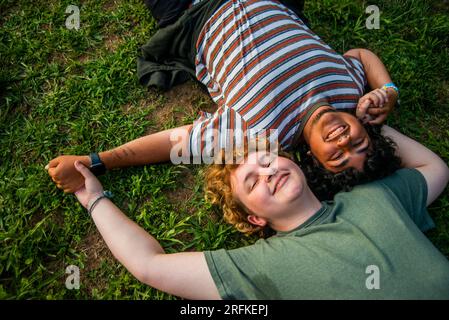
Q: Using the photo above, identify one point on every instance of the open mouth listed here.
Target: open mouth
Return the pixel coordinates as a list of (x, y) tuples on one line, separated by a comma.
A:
[(336, 131), (280, 182)]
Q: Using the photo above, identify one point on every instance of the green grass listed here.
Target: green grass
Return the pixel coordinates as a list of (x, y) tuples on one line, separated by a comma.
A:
[(70, 92)]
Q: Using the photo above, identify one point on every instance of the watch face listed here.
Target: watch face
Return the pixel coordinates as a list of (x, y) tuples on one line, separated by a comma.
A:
[(98, 168)]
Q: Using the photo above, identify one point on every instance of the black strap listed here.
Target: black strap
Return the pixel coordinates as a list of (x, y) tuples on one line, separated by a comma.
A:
[(97, 167)]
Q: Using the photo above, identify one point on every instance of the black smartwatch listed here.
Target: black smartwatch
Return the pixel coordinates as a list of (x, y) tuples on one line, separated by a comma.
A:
[(97, 167)]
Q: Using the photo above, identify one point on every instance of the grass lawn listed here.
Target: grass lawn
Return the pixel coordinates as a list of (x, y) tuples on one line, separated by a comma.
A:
[(73, 91)]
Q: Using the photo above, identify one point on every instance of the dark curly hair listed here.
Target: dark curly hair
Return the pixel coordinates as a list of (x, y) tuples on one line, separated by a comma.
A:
[(380, 162)]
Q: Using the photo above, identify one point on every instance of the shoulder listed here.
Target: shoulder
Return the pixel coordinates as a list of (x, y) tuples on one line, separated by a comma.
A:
[(408, 186), (404, 176), (402, 184)]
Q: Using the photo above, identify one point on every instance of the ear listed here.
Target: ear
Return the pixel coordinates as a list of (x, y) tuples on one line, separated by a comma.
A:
[(258, 221)]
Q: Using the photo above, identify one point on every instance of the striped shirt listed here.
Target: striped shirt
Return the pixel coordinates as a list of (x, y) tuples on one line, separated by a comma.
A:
[(265, 68)]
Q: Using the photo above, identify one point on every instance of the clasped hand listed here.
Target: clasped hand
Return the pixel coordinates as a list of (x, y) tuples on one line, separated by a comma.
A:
[(374, 107), (78, 179)]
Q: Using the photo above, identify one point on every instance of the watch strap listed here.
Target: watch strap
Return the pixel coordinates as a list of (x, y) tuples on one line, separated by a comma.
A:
[(97, 167)]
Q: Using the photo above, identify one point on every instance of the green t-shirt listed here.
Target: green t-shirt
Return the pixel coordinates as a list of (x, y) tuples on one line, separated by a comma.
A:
[(366, 244)]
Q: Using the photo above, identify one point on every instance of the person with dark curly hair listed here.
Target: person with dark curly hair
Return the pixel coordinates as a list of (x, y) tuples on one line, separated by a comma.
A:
[(381, 161), (267, 71)]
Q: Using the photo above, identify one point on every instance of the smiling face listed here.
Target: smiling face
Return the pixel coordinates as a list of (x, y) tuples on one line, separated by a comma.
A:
[(337, 139), (268, 185)]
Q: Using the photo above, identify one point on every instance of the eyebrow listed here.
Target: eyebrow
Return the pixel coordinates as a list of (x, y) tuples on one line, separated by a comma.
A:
[(344, 162)]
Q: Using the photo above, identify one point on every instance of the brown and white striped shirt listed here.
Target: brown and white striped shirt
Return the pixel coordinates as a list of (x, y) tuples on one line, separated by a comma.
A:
[(265, 68)]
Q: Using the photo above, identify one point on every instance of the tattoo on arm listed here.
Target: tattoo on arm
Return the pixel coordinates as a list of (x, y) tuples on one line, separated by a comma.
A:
[(130, 150), (121, 153)]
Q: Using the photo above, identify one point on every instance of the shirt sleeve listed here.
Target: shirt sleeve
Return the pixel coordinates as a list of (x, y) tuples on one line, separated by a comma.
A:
[(222, 130), (355, 68), (242, 273), (410, 188)]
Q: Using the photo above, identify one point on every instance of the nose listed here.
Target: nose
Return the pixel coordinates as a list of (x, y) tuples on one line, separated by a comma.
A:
[(343, 140), (268, 173)]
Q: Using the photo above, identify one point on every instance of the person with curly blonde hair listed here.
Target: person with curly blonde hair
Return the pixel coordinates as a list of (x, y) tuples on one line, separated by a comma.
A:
[(366, 244), (218, 189)]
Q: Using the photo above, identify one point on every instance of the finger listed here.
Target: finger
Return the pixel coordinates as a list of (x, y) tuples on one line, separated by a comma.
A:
[(362, 108), (363, 99), (384, 93), (379, 120), (85, 172), (379, 93), (51, 171), (55, 180), (376, 97), (53, 163), (54, 174), (377, 111)]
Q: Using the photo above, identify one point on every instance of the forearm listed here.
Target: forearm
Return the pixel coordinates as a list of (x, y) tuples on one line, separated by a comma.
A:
[(376, 72), (153, 148), (416, 156), (412, 153), (128, 242)]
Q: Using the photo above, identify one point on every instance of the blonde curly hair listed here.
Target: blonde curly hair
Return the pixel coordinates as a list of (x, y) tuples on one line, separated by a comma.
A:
[(218, 190)]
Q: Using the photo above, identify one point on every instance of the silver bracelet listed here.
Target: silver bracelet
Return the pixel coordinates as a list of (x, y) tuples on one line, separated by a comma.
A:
[(106, 194)]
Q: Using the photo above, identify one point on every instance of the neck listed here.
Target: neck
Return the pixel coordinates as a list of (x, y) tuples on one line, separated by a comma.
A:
[(305, 209)]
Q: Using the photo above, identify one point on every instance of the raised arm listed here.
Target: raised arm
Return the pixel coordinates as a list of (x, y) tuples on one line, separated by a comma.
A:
[(375, 71), (415, 155), (378, 103), (182, 274), (153, 148)]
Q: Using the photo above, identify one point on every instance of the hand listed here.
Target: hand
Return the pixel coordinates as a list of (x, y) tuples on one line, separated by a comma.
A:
[(375, 106), (92, 187), (62, 171)]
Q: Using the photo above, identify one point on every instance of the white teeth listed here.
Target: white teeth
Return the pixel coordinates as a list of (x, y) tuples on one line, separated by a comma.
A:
[(336, 132)]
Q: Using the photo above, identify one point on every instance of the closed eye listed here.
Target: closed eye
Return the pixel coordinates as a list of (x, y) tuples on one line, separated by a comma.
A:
[(359, 143), (344, 162), (254, 184), (340, 154), (257, 180)]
